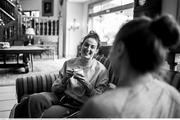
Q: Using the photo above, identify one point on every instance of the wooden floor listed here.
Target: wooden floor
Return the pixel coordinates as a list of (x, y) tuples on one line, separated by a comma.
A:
[(7, 93), (7, 100)]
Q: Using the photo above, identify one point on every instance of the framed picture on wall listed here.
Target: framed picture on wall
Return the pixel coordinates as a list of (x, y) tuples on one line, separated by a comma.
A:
[(47, 7)]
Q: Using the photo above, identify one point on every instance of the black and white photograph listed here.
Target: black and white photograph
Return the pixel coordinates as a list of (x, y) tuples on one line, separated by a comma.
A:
[(92, 59)]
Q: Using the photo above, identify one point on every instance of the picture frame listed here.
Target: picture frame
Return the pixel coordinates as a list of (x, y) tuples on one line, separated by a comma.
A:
[(47, 8)]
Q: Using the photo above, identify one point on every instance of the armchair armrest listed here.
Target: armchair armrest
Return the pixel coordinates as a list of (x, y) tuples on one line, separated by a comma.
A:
[(34, 84)]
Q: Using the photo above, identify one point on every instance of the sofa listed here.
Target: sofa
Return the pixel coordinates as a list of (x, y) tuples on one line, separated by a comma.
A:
[(42, 83)]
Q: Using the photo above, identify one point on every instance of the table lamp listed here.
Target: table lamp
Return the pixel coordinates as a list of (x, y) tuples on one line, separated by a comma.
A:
[(30, 34), (1, 22)]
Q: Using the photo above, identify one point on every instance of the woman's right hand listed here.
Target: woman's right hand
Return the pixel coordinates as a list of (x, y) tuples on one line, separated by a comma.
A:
[(79, 77), (69, 74)]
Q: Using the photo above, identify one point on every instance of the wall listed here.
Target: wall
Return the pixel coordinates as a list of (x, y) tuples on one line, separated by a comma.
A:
[(169, 6), (78, 10), (37, 5), (85, 16), (85, 20), (54, 40), (31, 5), (73, 38), (70, 39)]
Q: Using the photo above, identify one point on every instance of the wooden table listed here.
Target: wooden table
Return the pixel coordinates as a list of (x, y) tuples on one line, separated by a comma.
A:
[(17, 50), (48, 48)]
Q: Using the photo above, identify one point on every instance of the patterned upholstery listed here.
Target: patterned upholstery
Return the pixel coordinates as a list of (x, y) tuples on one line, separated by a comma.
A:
[(34, 84)]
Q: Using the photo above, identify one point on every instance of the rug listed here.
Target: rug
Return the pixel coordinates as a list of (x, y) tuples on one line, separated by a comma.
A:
[(9, 75)]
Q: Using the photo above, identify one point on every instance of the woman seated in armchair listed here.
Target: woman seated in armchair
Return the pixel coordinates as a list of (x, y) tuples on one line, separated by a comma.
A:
[(79, 79)]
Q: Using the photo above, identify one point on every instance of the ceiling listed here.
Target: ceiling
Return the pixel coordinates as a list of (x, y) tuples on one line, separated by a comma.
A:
[(81, 1)]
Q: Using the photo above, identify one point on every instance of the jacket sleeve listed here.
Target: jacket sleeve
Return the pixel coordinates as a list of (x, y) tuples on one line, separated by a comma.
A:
[(101, 83), (59, 85)]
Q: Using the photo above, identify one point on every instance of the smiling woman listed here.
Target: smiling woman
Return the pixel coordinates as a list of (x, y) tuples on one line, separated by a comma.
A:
[(79, 79)]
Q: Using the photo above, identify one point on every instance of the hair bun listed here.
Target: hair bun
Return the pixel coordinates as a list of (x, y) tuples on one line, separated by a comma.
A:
[(167, 30), (93, 33)]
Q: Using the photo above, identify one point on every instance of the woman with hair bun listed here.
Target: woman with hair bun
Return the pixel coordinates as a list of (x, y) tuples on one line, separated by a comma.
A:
[(139, 49), (79, 79)]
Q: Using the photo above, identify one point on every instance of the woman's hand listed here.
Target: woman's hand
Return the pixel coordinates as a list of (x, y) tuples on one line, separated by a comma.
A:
[(69, 74), (82, 80)]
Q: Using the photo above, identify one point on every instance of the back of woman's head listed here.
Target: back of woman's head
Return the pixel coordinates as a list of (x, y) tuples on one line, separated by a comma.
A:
[(92, 34), (147, 41)]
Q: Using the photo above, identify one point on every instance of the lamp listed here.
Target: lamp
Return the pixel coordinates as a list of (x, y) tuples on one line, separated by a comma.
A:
[(2, 37), (1, 22), (30, 33), (74, 25)]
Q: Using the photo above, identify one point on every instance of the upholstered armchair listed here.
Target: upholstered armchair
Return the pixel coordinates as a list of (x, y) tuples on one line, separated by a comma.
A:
[(43, 82)]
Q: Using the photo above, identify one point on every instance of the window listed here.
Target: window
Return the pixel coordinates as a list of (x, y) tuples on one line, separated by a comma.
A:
[(108, 16)]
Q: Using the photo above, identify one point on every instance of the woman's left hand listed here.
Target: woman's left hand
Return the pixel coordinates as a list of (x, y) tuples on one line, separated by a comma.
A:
[(82, 80)]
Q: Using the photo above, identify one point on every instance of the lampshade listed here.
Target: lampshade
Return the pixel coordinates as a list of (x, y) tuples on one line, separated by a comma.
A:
[(30, 31), (1, 22)]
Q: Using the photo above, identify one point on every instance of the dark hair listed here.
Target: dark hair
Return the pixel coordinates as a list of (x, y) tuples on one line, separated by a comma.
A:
[(146, 40), (92, 34)]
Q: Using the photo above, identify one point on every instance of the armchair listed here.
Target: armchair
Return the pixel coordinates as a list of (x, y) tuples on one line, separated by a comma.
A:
[(43, 82), (32, 84)]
